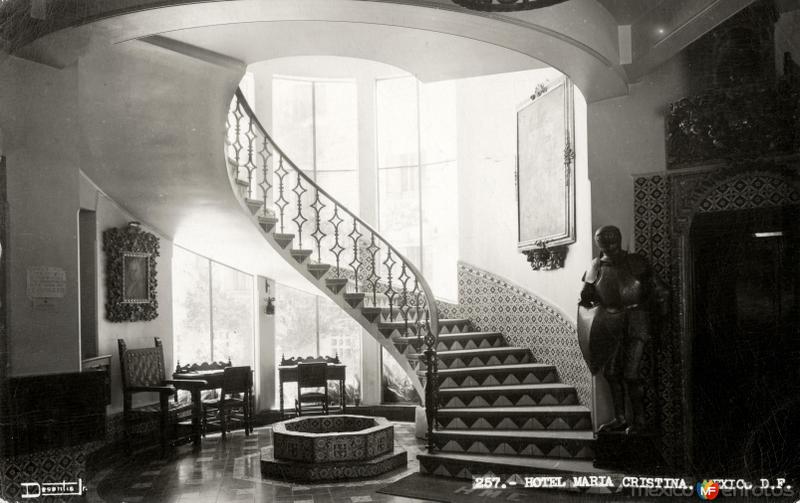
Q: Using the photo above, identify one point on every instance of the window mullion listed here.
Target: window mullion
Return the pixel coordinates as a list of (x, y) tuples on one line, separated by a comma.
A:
[(419, 179), (211, 308), (314, 131)]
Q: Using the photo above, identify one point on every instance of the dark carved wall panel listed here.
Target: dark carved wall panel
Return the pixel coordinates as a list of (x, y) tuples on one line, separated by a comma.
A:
[(664, 206)]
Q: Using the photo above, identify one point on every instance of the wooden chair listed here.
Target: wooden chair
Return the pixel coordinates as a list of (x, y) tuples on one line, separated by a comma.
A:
[(312, 375), (234, 401), (143, 371)]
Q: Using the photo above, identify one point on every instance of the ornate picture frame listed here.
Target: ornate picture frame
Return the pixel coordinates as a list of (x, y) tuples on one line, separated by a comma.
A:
[(131, 281), (546, 174)]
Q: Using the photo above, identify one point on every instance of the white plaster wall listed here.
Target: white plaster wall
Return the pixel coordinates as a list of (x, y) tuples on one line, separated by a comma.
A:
[(137, 334), (487, 146), (37, 115), (627, 137)]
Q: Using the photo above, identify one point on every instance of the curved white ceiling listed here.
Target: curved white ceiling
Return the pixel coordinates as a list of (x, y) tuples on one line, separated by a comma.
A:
[(428, 55), (578, 37)]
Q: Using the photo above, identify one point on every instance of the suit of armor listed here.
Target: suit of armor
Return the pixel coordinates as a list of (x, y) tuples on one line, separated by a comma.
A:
[(624, 288)]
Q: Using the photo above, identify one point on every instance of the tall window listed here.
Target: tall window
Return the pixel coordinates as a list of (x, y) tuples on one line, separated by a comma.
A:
[(396, 386), (212, 311), (417, 176), (311, 325), (316, 123)]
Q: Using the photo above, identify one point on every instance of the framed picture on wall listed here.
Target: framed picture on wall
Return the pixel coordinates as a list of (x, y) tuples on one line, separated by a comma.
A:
[(135, 277), (546, 168), (130, 273)]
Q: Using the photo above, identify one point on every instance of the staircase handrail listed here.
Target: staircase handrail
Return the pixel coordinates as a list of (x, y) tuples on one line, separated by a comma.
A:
[(430, 324)]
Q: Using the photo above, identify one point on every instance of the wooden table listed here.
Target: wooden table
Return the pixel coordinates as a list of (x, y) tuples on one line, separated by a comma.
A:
[(195, 382), (334, 372)]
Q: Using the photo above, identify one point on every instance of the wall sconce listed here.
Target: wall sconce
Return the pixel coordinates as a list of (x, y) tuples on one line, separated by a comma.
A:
[(269, 307)]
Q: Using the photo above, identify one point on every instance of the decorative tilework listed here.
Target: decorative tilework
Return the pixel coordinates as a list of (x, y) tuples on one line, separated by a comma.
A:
[(664, 206), (653, 240), (327, 439), (55, 465), (496, 305)]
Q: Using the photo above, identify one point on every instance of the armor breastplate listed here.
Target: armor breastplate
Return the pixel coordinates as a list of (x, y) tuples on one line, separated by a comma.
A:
[(617, 286)]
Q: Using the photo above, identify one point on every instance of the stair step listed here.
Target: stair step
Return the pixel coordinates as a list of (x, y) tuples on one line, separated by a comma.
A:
[(495, 375), (354, 298), (336, 284), (318, 270), (267, 223), (457, 341), (371, 313), (283, 240), (467, 466), (483, 356), (397, 328), (520, 395), (556, 417), (562, 444), (242, 183), (254, 204), (301, 255)]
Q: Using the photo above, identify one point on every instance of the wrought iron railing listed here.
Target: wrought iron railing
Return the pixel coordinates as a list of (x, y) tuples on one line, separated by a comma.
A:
[(278, 191)]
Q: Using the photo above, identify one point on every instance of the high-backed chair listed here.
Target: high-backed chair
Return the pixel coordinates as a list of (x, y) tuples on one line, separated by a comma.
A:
[(143, 371), (312, 375), (234, 401)]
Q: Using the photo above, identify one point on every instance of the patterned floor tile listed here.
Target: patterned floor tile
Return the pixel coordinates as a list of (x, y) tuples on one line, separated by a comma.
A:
[(231, 471)]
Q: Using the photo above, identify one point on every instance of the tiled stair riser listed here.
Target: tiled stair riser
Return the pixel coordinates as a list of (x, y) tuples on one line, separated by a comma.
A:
[(470, 359)]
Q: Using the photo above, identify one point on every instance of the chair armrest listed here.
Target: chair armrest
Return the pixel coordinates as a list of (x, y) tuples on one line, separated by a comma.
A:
[(187, 384), (155, 389)]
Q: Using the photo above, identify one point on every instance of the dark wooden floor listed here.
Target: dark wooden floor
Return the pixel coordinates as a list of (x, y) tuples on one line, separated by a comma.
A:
[(230, 471)]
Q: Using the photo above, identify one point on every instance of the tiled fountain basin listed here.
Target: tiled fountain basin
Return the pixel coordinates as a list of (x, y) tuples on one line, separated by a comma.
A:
[(320, 439), (318, 448)]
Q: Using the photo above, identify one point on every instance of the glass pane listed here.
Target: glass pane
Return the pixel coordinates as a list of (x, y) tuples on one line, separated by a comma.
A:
[(191, 307), (398, 144), (233, 317), (339, 334), (398, 175), (295, 331), (439, 188), (336, 110), (343, 185), (440, 228), (439, 133), (397, 387), (292, 115), (398, 192)]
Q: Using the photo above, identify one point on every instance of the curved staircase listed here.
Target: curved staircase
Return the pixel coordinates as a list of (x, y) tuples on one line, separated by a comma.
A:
[(490, 407)]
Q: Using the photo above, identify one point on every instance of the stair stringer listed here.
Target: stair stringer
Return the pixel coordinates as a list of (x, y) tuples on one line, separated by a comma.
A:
[(338, 298)]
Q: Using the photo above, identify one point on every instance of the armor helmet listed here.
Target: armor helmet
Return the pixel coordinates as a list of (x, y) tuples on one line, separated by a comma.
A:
[(609, 240)]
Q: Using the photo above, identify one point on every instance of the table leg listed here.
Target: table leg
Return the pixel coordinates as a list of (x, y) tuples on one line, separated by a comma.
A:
[(197, 414), (280, 394)]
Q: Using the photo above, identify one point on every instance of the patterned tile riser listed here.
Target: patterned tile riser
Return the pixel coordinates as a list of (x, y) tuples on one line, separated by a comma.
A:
[(493, 304), (505, 447), (500, 377), (454, 362), (539, 422), (509, 400)]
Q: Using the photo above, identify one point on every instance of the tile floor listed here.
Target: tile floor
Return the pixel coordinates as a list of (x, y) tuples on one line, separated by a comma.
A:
[(230, 471)]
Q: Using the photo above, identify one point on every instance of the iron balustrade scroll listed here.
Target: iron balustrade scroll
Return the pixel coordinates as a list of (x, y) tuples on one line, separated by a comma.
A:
[(280, 192)]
